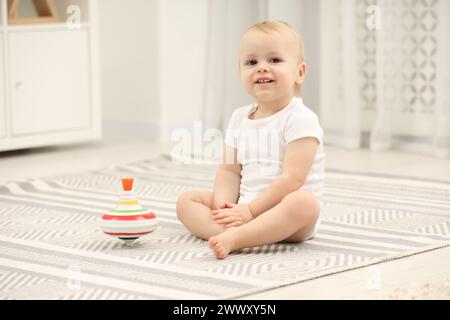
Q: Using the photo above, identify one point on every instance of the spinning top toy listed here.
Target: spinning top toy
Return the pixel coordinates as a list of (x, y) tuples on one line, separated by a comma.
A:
[(128, 220)]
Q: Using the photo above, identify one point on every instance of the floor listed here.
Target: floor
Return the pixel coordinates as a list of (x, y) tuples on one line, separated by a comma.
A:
[(373, 282)]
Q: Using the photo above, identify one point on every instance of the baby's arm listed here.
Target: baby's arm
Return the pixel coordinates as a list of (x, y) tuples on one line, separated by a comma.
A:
[(298, 159), (228, 178)]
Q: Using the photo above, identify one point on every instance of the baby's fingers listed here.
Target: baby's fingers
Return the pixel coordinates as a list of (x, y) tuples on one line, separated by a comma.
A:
[(226, 220), (234, 224), (220, 215), (219, 211), (221, 204)]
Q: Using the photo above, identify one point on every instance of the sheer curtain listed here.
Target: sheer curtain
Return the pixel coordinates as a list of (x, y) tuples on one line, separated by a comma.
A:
[(385, 74)]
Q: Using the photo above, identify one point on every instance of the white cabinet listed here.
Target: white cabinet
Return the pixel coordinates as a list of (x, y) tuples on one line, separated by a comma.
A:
[(49, 77), (2, 94), (51, 89)]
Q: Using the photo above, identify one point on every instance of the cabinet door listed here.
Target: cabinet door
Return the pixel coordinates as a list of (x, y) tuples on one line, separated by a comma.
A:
[(49, 81), (2, 93)]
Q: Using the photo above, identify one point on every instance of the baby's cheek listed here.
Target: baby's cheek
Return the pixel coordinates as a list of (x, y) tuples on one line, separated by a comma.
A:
[(249, 87)]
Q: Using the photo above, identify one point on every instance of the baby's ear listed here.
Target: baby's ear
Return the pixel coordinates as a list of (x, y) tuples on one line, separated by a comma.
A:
[(302, 70), (300, 78), (301, 73)]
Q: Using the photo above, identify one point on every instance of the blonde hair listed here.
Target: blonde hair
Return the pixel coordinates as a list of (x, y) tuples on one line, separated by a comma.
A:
[(279, 26)]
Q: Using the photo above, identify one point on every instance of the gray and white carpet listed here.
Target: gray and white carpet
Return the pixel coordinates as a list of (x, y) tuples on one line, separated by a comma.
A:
[(51, 246)]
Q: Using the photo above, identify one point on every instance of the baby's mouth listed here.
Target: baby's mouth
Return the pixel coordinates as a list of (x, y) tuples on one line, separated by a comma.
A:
[(262, 81)]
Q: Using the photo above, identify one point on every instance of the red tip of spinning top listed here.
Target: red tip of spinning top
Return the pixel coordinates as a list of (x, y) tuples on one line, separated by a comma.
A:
[(127, 184)]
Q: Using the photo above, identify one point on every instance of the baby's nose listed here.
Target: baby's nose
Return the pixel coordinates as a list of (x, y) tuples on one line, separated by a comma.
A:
[(263, 69)]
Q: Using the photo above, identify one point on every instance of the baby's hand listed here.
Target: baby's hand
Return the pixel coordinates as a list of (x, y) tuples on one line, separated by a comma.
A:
[(222, 204), (233, 215)]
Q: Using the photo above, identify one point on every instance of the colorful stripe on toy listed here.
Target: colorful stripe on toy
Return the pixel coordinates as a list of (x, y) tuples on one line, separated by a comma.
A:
[(129, 217)]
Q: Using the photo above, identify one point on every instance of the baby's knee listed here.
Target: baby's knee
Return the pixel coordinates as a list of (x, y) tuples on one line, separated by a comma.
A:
[(183, 200), (185, 196), (303, 204)]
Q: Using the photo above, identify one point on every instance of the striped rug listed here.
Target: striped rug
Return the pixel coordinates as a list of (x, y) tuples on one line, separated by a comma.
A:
[(51, 246)]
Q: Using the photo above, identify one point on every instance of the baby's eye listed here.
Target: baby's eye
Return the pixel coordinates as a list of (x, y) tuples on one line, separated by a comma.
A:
[(275, 60), (251, 62)]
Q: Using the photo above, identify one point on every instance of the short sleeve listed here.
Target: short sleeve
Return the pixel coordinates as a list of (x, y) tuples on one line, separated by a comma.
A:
[(300, 125), (232, 130)]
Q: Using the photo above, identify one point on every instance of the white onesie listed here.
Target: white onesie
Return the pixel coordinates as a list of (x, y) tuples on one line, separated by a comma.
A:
[(261, 143)]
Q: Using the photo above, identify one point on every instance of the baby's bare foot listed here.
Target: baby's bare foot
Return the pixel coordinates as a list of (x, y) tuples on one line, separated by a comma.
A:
[(221, 244)]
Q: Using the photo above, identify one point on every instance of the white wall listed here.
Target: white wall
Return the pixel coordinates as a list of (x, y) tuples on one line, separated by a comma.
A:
[(182, 52), (130, 66), (286, 10), (310, 30)]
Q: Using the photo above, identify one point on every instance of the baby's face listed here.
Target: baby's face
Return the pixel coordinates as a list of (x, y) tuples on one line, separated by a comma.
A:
[(269, 65)]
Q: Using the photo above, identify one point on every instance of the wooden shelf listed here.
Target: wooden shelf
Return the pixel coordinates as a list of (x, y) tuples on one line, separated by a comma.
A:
[(44, 27), (34, 20)]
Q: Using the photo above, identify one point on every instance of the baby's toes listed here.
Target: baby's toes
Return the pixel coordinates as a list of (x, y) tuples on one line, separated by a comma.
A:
[(212, 242), (220, 251)]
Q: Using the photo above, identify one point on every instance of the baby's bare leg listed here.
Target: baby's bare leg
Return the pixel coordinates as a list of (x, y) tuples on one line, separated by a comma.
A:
[(293, 219), (194, 211)]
